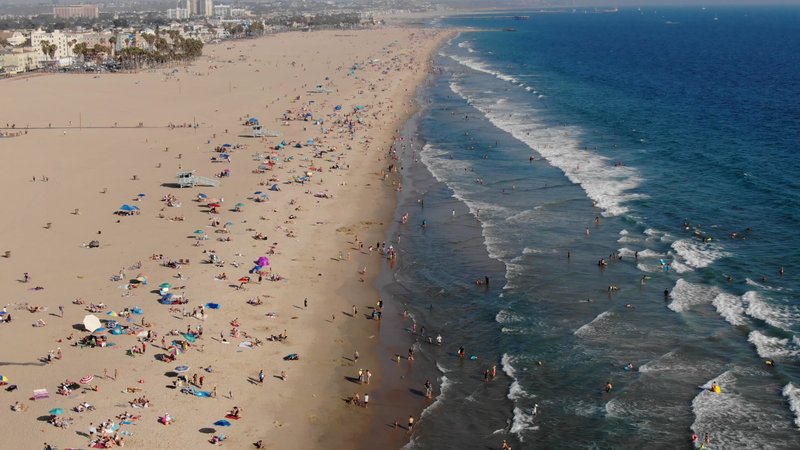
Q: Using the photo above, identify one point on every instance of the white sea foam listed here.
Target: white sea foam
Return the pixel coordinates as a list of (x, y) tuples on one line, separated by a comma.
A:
[(591, 327), (643, 254), (441, 368), (685, 295), (607, 185), (792, 394), (729, 418), (480, 66), (538, 251), (778, 316), (773, 347), (505, 316), (522, 422), (698, 254), (730, 307), (444, 386)]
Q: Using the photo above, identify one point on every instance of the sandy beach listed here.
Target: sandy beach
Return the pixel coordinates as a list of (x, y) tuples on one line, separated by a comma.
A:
[(305, 198)]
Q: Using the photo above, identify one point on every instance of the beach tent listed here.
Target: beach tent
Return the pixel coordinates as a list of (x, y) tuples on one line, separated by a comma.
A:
[(128, 208), (275, 187), (91, 322)]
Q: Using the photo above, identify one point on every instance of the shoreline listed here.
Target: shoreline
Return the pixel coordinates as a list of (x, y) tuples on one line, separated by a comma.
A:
[(309, 411)]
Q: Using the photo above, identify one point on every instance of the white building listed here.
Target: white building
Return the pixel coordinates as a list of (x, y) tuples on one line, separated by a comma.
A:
[(178, 13), (208, 8), (222, 11), (60, 39)]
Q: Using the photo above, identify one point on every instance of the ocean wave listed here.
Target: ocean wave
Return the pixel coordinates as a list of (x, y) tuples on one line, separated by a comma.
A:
[(608, 185), (730, 419), (505, 316), (730, 307), (444, 386), (764, 286), (685, 295), (538, 251), (697, 254), (773, 347), (480, 66), (592, 327), (522, 422), (643, 254), (776, 315), (792, 394), (668, 362)]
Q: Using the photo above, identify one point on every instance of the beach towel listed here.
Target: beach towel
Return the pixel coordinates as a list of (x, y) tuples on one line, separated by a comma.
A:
[(231, 416), (291, 357), (202, 394), (40, 394)]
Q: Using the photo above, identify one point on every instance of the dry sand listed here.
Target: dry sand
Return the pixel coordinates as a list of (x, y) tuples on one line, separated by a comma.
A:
[(85, 140)]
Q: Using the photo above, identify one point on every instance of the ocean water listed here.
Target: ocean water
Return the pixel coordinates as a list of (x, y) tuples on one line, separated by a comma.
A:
[(668, 137)]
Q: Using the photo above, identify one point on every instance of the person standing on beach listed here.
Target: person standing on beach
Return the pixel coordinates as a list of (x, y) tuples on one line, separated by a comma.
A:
[(355, 356), (261, 376), (410, 423), (366, 400)]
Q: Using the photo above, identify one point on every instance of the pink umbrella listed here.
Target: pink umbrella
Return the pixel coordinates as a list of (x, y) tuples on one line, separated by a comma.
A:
[(87, 379), (263, 261)]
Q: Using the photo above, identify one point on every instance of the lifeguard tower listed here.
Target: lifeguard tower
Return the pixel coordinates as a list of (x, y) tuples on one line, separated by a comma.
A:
[(189, 179)]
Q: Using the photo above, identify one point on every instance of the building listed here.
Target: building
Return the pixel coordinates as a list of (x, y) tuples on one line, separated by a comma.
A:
[(178, 13), (208, 8), (222, 11), (19, 60), (60, 39), (69, 12)]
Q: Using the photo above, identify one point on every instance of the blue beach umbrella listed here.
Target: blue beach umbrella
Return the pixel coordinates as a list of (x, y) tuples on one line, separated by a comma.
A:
[(128, 208), (222, 423), (201, 195), (56, 411)]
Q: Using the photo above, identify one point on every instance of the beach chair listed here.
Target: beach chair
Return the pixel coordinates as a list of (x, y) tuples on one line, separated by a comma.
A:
[(40, 394)]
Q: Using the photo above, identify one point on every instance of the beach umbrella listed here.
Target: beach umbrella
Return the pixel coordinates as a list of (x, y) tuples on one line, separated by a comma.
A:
[(199, 232), (91, 322), (87, 379), (244, 280), (138, 311), (227, 145), (128, 208), (240, 205), (3, 379), (212, 305), (214, 205), (56, 411), (229, 224), (222, 423), (257, 193), (116, 331), (100, 331), (141, 195), (201, 195), (263, 261), (166, 285), (181, 369)]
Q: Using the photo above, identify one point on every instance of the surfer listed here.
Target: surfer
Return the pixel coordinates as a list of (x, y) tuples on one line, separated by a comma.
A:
[(666, 294), (609, 386), (438, 339), (461, 352), (424, 224)]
